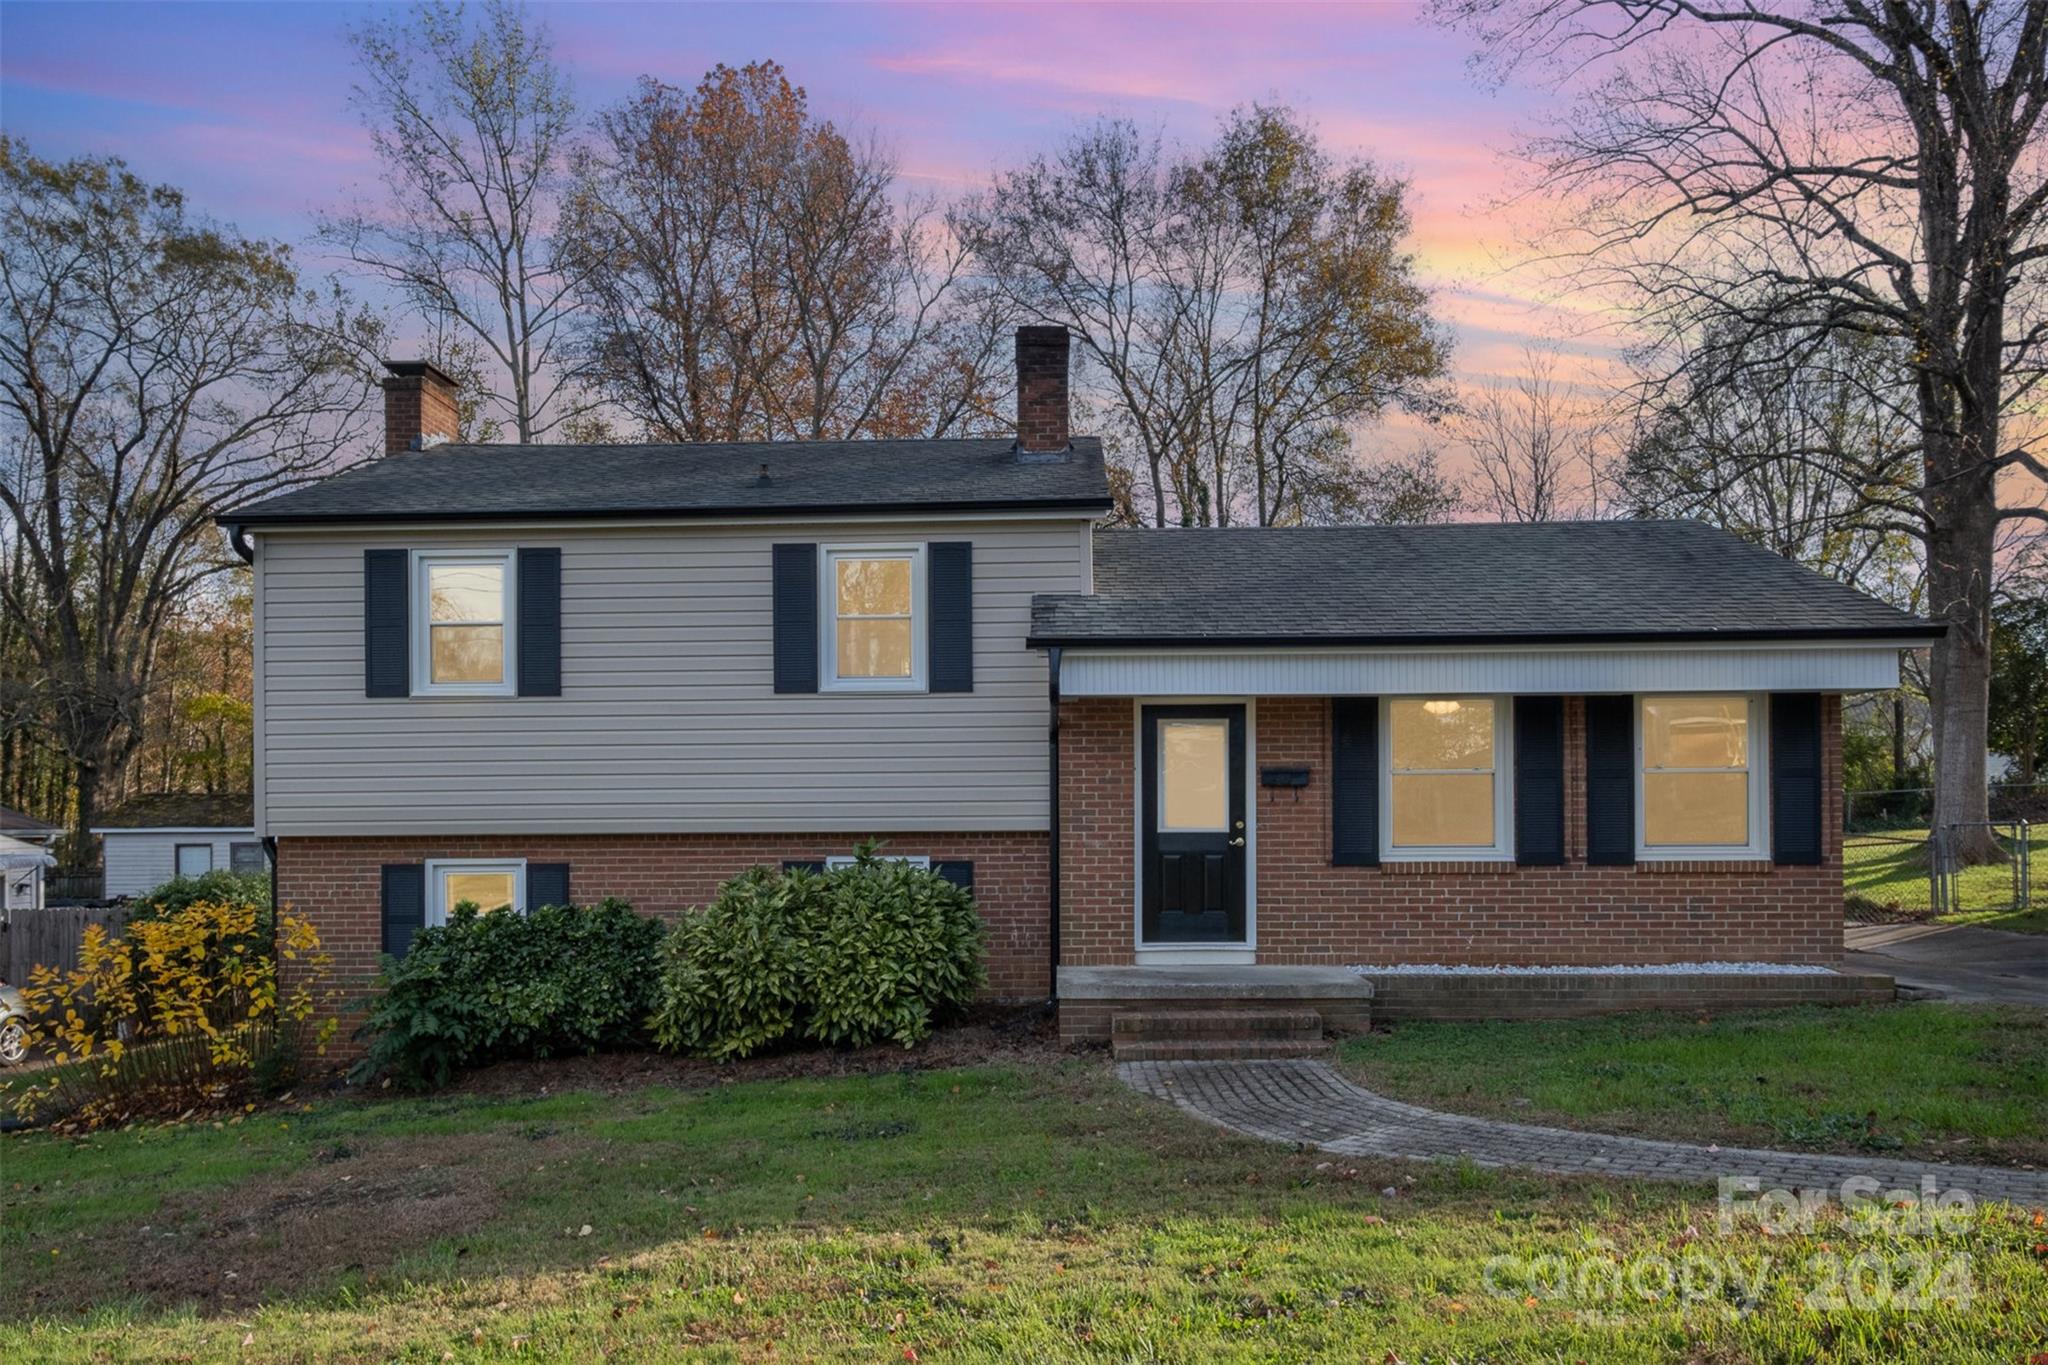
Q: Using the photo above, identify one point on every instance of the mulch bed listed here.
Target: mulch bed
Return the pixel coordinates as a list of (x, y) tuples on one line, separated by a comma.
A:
[(989, 1036)]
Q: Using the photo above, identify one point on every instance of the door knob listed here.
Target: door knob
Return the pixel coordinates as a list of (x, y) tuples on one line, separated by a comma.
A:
[(1238, 842)]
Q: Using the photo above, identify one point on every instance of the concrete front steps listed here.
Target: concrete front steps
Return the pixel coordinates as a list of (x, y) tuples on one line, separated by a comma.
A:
[(1194, 1035), (1180, 1012)]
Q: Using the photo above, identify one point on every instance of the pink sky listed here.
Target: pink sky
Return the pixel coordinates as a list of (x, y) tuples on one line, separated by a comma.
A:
[(245, 105)]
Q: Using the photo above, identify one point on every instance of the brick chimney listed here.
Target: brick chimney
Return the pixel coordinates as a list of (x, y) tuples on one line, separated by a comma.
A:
[(419, 406), (1041, 390)]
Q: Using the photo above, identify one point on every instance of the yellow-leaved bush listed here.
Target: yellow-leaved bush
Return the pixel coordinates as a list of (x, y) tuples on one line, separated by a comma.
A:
[(175, 1012)]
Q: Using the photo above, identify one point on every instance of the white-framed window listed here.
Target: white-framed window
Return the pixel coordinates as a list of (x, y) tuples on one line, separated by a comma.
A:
[(491, 883), (871, 618), (462, 622), (1445, 770), (839, 860), (1700, 786), (193, 860)]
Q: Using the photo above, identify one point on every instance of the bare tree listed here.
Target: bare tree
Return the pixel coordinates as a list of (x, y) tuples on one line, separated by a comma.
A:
[(1539, 450), (471, 123), (1242, 307), (1790, 170), (1812, 453), (748, 271), (155, 370)]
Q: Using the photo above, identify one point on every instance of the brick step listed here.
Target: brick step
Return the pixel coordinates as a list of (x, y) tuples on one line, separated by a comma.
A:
[(1128, 1049), (1162, 1025)]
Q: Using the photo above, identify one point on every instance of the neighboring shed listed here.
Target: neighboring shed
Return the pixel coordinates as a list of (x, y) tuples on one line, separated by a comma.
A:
[(151, 839)]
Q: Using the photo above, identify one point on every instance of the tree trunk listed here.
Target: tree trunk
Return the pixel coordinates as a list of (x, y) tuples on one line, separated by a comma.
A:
[(87, 812), (1898, 739), (1962, 518)]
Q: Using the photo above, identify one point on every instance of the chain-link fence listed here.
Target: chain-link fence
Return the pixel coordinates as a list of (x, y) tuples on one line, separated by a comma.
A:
[(1914, 872), (1912, 808)]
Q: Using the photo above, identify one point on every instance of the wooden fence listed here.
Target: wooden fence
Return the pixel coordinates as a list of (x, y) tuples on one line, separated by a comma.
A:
[(50, 937)]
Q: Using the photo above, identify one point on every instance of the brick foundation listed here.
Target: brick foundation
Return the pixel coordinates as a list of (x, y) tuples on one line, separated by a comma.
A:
[(1308, 911), (335, 883)]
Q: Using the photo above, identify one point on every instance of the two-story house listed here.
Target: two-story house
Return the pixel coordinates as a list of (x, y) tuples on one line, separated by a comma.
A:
[(525, 674)]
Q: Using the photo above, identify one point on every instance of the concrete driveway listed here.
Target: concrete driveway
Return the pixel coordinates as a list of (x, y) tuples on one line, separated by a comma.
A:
[(1954, 961)]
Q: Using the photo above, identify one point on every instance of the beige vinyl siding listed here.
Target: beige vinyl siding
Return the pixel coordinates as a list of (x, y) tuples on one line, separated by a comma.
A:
[(668, 721)]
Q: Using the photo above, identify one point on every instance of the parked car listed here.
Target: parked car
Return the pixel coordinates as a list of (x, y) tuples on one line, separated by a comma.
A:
[(13, 1026)]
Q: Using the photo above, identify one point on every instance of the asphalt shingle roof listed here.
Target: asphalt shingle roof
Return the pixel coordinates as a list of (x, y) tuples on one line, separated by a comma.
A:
[(1364, 585), (484, 482), (181, 810)]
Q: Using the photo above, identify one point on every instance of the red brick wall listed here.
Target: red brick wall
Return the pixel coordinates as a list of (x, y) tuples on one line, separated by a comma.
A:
[(1311, 912), (335, 882)]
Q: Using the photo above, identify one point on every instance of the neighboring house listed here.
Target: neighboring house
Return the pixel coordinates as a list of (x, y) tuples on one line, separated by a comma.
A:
[(517, 674), (150, 839), (24, 857)]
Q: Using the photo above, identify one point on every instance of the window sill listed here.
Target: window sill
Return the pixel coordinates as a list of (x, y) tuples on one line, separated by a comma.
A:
[(1452, 866), (1748, 864)]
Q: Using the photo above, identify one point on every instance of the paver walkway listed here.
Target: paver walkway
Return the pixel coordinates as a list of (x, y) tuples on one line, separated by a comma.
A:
[(1308, 1102)]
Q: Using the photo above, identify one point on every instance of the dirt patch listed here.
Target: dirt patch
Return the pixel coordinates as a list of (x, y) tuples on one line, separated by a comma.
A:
[(990, 1037), (353, 1211)]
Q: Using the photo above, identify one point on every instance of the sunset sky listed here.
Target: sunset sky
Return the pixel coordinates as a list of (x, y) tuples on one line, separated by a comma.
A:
[(245, 106)]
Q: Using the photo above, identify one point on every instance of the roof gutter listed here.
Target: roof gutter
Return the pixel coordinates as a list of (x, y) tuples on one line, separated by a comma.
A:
[(1843, 634), (253, 515), (238, 536)]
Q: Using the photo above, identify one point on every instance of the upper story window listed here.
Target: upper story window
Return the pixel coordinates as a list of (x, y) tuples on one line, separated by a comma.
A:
[(1701, 793), (1444, 789), (871, 616), (462, 610)]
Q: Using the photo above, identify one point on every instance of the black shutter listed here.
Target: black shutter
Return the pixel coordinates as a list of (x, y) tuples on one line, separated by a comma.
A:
[(386, 648), (803, 864), (1610, 781), (404, 905), (540, 623), (1539, 781), (547, 884), (960, 873), (796, 618), (1355, 781), (1795, 778), (949, 593)]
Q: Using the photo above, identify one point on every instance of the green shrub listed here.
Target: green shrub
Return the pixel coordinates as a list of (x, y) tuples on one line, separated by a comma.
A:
[(887, 947), (242, 890), (732, 978), (481, 988), (870, 951)]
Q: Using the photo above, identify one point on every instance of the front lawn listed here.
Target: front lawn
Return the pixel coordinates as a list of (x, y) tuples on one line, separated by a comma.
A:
[(1027, 1211), (1889, 867), (1940, 1082)]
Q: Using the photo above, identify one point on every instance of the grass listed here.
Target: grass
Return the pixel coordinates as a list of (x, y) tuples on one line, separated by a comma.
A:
[(1888, 867), (1926, 1080), (1019, 1212)]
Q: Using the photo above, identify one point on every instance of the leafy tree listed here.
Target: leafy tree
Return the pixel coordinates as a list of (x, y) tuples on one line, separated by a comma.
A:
[(748, 271), (1238, 309), (156, 369)]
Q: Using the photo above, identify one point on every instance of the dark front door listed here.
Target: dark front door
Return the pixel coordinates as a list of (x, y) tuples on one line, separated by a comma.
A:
[(1194, 824)]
